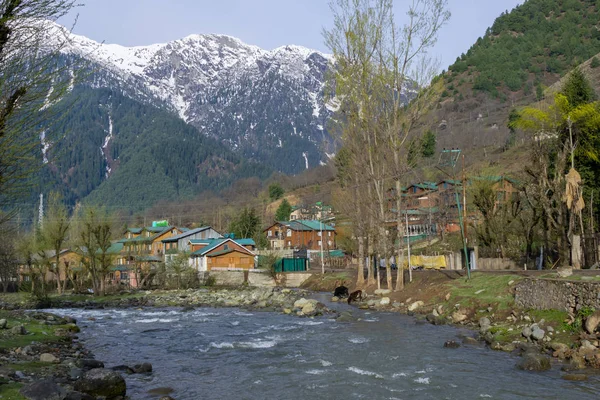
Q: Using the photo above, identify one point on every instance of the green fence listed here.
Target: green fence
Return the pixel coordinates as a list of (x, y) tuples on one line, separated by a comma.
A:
[(291, 265)]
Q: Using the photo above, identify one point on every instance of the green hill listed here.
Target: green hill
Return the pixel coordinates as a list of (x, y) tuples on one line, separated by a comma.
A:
[(522, 53)]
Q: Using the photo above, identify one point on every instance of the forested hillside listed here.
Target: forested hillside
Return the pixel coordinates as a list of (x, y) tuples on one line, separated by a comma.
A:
[(116, 151), (522, 53)]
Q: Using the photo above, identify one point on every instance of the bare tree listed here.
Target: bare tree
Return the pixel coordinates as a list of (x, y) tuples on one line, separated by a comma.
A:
[(54, 234), (375, 62)]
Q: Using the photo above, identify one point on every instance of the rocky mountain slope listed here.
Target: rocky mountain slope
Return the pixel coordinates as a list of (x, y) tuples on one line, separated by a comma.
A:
[(266, 106)]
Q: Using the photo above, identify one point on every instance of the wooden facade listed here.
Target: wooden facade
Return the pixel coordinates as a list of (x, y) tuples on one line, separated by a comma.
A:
[(300, 234)]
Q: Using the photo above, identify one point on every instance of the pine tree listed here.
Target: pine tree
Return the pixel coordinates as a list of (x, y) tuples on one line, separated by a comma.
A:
[(283, 211)]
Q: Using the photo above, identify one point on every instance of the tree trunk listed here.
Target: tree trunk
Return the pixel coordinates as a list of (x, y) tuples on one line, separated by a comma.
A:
[(399, 238), (360, 277)]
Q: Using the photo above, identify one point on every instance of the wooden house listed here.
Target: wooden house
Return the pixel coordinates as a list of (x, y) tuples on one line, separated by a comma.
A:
[(301, 234), (180, 242), (222, 253)]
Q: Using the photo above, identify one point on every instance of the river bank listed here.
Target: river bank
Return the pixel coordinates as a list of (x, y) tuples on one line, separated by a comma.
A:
[(486, 305)]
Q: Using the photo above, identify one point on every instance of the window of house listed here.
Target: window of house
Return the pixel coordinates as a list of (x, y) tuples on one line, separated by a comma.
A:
[(319, 233), (329, 233), (329, 243), (270, 233), (289, 242), (124, 275), (289, 233), (319, 242), (226, 247)]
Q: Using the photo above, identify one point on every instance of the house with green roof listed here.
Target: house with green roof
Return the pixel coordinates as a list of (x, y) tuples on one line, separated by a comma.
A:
[(301, 234), (220, 254)]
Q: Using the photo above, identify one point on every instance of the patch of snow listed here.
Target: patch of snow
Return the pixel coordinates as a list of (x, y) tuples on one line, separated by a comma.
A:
[(280, 144), (315, 104), (320, 127), (305, 159), (45, 146)]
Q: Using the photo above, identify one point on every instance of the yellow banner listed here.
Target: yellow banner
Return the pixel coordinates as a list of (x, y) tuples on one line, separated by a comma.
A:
[(427, 262)]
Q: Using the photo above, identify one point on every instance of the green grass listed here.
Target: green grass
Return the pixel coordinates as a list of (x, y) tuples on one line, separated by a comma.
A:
[(493, 290), (10, 391), (37, 332)]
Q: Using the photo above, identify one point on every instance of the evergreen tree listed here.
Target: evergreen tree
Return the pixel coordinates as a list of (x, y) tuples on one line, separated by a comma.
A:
[(246, 225), (283, 211), (275, 191), (428, 143)]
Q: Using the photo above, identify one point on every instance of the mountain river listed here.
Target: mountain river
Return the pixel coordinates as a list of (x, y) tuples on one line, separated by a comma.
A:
[(235, 354)]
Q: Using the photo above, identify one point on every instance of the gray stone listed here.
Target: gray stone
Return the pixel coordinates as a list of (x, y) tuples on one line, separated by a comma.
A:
[(19, 330), (308, 309), (484, 322), (458, 316), (534, 362), (75, 373), (102, 382), (43, 390), (526, 332), (470, 340), (3, 323), (537, 333), (89, 363), (592, 322), (143, 368), (346, 316), (48, 358), (384, 301), (300, 303)]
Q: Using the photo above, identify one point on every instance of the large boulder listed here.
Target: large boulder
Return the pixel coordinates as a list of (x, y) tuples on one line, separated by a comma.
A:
[(537, 333), (19, 330), (309, 308), (300, 303), (101, 382), (384, 301), (592, 322), (534, 362), (3, 323), (43, 390), (382, 292)]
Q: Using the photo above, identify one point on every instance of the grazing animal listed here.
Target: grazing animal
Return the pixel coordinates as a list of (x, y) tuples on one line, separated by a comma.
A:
[(355, 296), (341, 292)]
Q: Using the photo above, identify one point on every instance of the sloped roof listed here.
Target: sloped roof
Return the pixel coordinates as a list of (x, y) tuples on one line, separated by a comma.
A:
[(314, 225), (185, 234), (215, 243), (245, 242)]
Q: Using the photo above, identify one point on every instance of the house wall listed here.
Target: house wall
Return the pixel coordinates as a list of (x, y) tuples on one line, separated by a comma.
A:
[(183, 243), (231, 260)]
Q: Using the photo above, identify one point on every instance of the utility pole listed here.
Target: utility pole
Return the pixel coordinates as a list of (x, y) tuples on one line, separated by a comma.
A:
[(464, 184), (408, 245), (321, 230)]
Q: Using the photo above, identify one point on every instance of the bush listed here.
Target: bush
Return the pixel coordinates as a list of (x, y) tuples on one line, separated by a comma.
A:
[(595, 62)]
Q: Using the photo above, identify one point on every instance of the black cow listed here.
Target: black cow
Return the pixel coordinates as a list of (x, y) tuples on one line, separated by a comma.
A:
[(341, 292)]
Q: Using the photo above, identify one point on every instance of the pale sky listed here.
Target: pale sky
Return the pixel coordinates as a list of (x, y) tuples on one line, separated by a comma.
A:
[(264, 23)]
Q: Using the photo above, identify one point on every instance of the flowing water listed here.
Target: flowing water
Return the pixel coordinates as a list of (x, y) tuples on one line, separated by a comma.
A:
[(235, 354)]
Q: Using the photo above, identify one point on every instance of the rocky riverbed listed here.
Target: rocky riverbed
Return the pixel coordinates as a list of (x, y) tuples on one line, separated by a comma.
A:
[(517, 331), (43, 359)]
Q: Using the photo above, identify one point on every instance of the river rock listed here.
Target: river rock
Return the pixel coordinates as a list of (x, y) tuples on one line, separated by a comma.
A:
[(415, 305), (526, 332), (43, 390), (451, 344), (439, 320), (335, 299), (287, 310), (3, 323), (576, 363), (384, 301), (470, 340), (19, 330), (48, 358), (346, 316), (309, 308), (534, 362), (484, 323), (143, 368), (537, 333), (592, 322), (102, 382), (575, 377), (458, 316), (89, 363), (300, 303)]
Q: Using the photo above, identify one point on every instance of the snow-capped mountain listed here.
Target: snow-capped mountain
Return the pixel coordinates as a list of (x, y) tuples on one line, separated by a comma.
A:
[(266, 105)]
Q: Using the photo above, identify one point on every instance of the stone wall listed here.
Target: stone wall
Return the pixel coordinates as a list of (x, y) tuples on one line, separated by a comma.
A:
[(557, 294), (255, 278)]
